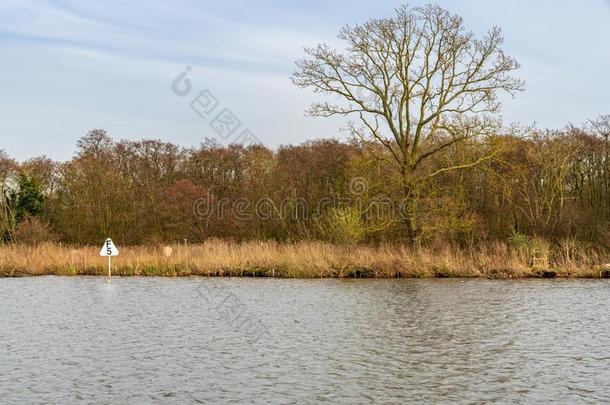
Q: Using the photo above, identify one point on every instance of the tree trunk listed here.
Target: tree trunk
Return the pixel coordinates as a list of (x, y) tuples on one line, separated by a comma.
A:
[(409, 209)]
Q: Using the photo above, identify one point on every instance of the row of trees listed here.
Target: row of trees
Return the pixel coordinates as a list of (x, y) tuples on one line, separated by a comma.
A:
[(430, 160), (552, 184)]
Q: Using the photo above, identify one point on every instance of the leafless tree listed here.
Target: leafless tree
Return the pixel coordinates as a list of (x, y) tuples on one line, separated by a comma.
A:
[(8, 167), (419, 83), (602, 126)]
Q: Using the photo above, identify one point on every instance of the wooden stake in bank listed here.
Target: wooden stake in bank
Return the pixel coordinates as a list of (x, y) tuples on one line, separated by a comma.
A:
[(109, 250)]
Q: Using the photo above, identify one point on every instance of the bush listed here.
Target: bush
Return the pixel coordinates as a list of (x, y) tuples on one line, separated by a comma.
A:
[(33, 231), (534, 249), (343, 226)]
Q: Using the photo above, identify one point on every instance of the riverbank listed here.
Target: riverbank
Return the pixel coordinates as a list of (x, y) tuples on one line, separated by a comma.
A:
[(300, 260)]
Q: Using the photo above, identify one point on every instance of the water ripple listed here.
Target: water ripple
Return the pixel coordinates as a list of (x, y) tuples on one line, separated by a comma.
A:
[(82, 340)]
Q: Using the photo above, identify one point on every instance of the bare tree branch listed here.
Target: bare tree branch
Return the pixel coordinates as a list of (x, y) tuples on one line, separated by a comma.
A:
[(419, 82)]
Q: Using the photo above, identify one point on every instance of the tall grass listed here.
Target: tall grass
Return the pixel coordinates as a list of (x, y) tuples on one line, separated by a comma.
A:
[(300, 260)]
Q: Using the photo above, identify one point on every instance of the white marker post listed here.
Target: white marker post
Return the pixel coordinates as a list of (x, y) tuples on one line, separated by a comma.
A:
[(109, 250)]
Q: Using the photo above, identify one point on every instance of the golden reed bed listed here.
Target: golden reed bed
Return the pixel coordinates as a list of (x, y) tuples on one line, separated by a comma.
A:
[(300, 260)]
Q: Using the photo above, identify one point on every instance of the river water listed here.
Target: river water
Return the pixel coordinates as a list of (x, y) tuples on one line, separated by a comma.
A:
[(198, 340)]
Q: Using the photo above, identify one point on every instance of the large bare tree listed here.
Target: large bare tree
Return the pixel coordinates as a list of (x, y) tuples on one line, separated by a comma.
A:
[(602, 126), (419, 83)]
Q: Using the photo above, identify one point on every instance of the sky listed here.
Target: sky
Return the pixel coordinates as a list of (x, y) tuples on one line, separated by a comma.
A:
[(71, 66)]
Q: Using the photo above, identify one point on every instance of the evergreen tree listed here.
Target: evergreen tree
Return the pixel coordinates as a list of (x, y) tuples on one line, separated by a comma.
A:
[(27, 199)]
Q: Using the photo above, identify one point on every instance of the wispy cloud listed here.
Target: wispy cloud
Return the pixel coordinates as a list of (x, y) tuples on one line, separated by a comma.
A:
[(180, 33), (72, 65)]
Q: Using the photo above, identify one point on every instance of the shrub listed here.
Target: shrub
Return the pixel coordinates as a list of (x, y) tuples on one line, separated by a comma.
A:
[(33, 231), (343, 226), (535, 250)]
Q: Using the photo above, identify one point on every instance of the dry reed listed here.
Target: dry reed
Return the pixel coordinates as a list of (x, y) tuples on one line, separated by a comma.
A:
[(300, 260)]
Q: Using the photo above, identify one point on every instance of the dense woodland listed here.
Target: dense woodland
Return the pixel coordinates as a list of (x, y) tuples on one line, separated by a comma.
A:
[(549, 184)]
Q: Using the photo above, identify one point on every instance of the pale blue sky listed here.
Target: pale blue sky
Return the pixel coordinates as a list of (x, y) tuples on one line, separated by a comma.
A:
[(70, 66)]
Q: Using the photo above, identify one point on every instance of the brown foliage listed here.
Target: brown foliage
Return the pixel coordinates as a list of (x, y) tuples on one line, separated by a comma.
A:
[(547, 184), (33, 231)]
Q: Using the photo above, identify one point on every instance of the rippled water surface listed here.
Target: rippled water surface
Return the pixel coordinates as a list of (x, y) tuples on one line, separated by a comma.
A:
[(197, 340)]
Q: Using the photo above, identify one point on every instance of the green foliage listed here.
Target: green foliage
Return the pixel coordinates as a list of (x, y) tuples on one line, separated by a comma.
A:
[(536, 250), (23, 204), (519, 241), (343, 226), (27, 199)]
